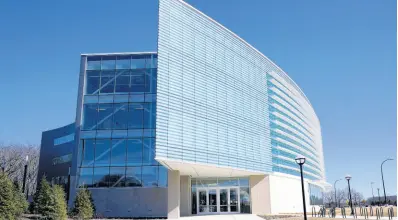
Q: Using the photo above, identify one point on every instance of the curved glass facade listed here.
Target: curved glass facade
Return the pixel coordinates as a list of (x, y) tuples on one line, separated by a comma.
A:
[(221, 102)]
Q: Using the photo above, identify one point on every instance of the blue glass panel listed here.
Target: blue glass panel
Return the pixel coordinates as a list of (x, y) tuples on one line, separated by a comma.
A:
[(162, 176), (155, 62), (118, 152), (138, 81), (101, 177), (150, 176), (138, 62), (134, 152), (121, 116), (105, 115), (88, 152), (105, 99), (117, 177), (149, 115), (108, 63), (85, 178), (136, 113), (93, 63), (123, 62), (102, 152), (92, 81), (228, 182), (244, 181), (107, 82), (122, 81), (149, 152), (137, 98), (133, 177), (90, 112)]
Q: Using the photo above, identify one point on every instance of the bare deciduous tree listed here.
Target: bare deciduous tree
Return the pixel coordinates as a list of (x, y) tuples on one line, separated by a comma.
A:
[(12, 160), (341, 196), (328, 197)]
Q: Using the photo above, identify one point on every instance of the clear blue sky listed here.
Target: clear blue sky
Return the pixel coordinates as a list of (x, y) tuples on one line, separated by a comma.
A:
[(341, 53)]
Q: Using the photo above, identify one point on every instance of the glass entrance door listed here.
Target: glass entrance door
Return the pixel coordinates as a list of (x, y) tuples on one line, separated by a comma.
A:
[(218, 200)]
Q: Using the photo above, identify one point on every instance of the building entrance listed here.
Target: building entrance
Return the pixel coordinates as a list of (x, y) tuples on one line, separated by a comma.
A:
[(214, 200)]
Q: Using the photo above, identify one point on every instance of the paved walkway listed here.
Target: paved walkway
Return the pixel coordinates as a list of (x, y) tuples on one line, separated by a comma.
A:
[(224, 217)]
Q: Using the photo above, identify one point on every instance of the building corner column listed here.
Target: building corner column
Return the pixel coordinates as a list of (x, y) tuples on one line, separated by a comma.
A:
[(185, 196), (173, 194), (260, 194)]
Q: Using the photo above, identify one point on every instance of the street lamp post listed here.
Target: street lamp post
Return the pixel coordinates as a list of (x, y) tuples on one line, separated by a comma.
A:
[(382, 179), (348, 178), (335, 192), (300, 161), (378, 192), (371, 185), (24, 173), (68, 186)]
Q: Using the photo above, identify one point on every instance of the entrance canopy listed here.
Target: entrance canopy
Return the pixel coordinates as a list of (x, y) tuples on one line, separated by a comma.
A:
[(204, 170)]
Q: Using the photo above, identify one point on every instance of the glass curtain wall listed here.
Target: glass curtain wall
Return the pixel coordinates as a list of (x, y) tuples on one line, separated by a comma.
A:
[(316, 194), (118, 120), (241, 182)]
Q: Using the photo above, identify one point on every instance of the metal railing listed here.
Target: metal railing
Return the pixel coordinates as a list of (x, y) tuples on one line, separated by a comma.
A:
[(343, 212), (390, 213)]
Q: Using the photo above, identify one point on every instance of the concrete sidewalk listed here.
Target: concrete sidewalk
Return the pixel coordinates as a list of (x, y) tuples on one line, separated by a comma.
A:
[(224, 217)]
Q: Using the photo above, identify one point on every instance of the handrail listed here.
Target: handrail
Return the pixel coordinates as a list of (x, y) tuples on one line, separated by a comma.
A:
[(390, 213), (371, 210), (343, 212)]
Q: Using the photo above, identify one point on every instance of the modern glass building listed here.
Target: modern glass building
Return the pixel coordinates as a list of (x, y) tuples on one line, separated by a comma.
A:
[(205, 125)]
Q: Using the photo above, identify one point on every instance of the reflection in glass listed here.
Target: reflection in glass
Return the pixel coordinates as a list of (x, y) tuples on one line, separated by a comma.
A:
[(117, 177), (107, 82), (149, 152), (150, 176), (92, 81), (244, 181), (122, 81), (233, 200), (162, 176), (93, 63), (203, 201), (105, 115), (85, 177), (133, 177), (137, 81), (118, 152), (244, 200), (134, 152), (149, 115), (120, 115), (108, 63), (223, 200), (101, 177), (136, 111), (138, 62), (123, 62), (212, 200), (88, 152), (102, 152), (89, 116), (228, 182)]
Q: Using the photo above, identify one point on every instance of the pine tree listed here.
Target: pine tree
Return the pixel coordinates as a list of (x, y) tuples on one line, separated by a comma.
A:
[(19, 198), (12, 202), (59, 204), (43, 199), (83, 205)]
